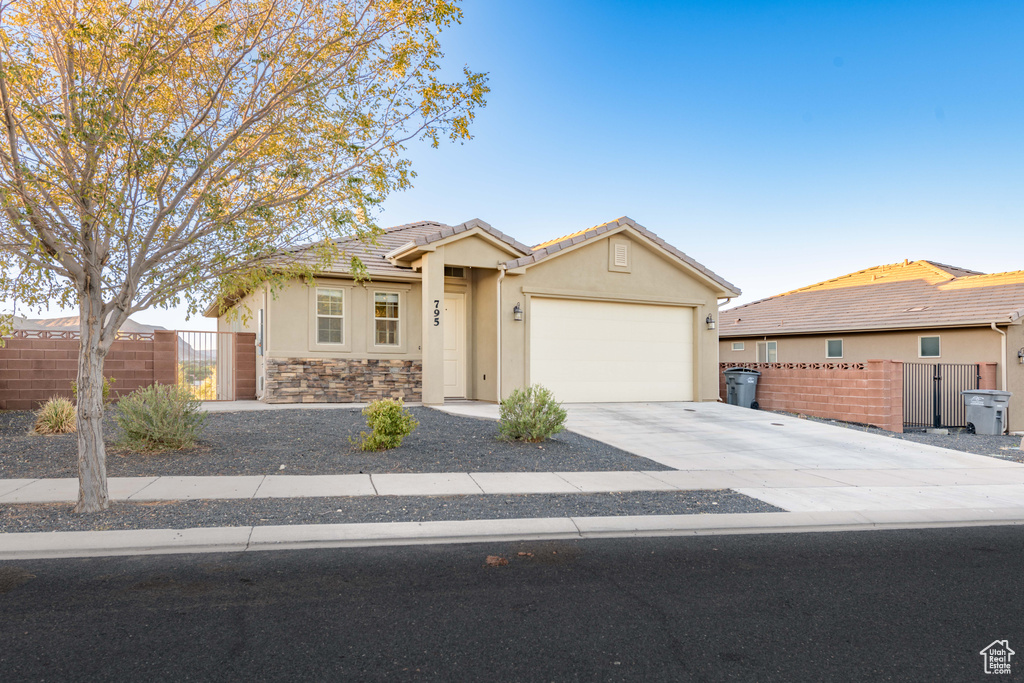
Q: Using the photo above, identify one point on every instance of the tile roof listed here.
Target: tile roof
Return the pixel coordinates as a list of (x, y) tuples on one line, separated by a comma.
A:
[(551, 247), (912, 294), (373, 255), (449, 231)]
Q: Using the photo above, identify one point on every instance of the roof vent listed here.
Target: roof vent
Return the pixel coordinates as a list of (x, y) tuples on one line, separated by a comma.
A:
[(917, 308), (622, 255)]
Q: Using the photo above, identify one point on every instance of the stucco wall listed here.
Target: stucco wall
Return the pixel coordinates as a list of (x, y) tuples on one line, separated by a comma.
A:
[(584, 273), (971, 345)]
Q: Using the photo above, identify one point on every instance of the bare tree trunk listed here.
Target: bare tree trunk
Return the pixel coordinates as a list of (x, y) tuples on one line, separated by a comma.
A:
[(92, 455)]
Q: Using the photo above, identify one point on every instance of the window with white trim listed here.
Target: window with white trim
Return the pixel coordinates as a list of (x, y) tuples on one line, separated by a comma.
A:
[(385, 318), (767, 352), (928, 347), (737, 346), (834, 348), (330, 316)]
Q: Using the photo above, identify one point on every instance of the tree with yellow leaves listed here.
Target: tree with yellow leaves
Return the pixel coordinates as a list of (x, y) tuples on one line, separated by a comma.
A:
[(155, 152)]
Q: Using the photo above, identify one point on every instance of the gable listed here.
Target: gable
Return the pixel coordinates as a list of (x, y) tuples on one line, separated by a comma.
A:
[(592, 267), (559, 247)]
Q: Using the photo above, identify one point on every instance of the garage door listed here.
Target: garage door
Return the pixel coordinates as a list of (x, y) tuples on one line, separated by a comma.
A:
[(595, 351)]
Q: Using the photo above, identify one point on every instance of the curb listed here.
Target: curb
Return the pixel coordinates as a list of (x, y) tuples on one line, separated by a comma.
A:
[(73, 544)]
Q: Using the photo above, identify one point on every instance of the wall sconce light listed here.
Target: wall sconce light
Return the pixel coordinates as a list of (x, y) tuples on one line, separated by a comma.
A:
[(517, 314), (710, 322), (1020, 355)]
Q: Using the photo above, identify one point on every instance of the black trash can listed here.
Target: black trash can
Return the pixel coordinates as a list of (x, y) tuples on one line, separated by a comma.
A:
[(741, 387)]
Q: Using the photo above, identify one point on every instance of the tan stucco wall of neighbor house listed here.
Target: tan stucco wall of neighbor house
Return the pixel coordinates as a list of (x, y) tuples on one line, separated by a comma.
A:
[(1015, 376), (970, 345), (584, 273)]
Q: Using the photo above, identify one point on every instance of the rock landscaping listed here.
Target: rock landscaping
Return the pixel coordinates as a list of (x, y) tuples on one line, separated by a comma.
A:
[(315, 441)]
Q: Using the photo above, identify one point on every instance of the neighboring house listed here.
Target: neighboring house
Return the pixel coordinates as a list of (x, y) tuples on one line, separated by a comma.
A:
[(915, 312), (612, 313)]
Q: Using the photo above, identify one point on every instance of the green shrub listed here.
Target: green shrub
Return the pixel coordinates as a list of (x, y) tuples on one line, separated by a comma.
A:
[(107, 381), (389, 422), (531, 414), (56, 416), (159, 417)]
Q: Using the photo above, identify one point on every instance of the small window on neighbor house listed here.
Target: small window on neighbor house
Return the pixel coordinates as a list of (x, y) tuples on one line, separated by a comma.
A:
[(455, 271), (834, 348), (929, 347), (385, 318), (330, 316), (737, 346), (767, 352)]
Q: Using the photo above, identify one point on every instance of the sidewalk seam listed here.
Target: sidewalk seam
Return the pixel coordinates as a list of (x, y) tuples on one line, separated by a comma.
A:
[(155, 480), (258, 487)]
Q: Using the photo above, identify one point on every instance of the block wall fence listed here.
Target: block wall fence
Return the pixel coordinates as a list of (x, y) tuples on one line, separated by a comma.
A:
[(864, 393), (35, 366)]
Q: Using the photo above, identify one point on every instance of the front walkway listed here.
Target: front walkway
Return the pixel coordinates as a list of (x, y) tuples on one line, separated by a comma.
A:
[(798, 465)]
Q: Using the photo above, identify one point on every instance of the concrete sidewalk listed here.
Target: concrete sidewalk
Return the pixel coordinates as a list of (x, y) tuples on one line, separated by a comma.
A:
[(806, 491)]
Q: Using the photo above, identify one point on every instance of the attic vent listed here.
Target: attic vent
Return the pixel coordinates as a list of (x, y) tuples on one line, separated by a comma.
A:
[(621, 255), (454, 271)]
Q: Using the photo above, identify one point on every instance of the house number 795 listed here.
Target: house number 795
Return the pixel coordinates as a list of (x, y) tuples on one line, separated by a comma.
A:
[(437, 312)]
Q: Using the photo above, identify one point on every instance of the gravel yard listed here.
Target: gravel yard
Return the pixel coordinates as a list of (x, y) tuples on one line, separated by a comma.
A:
[(314, 442), (267, 512), (1003, 447)]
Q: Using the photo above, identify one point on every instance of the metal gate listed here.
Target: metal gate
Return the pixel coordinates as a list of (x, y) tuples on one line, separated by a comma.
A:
[(205, 364), (931, 393)]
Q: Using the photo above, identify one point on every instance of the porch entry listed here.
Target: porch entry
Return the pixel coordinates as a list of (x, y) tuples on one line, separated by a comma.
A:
[(454, 345), (931, 393)]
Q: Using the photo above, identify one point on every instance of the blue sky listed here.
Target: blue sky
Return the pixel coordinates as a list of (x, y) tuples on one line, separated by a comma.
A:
[(778, 143)]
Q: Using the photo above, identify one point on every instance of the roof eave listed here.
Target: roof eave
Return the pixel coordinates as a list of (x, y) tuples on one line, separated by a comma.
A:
[(790, 332)]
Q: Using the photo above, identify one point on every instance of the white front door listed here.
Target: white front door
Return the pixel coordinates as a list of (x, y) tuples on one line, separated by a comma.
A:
[(454, 345)]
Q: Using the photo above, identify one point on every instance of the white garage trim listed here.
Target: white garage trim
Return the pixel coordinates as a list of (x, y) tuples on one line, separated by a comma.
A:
[(603, 351)]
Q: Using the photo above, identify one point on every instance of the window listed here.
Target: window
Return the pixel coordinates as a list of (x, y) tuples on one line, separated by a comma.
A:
[(737, 346), (385, 318), (767, 352), (330, 316), (834, 348), (455, 271), (928, 347)]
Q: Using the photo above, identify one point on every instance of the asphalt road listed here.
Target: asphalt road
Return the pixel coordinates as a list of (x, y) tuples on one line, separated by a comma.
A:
[(893, 605)]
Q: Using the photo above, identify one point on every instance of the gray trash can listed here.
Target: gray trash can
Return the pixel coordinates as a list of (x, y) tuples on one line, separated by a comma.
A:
[(741, 387), (986, 410)]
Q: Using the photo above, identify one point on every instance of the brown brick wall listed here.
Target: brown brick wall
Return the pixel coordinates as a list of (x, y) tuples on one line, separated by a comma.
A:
[(865, 393), (341, 380), (35, 369), (988, 376)]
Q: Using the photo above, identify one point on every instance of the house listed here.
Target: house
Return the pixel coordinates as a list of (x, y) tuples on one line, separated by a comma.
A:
[(611, 313), (916, 312)]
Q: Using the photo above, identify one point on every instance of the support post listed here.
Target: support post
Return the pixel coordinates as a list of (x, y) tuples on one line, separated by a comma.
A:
[(433, 327)]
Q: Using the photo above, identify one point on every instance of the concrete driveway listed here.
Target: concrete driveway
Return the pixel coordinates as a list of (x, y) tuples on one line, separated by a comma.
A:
[(798, 465)]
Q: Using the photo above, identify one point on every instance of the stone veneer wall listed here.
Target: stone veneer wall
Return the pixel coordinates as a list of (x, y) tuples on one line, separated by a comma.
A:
[(342, 380)]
